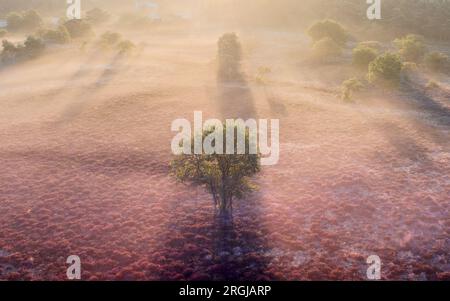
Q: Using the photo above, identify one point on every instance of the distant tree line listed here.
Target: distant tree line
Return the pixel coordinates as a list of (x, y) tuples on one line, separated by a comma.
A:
[(399, 17)]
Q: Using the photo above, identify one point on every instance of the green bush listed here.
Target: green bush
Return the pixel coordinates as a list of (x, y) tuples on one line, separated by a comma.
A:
[(386, 69), (328, 29), (126, 47), (349, 87), (411, 47), (78, 28), (326, 49), (261, 75), (437, 62), (31, 48), (29, 20), (34, 47), (432, 85), (109, 39), (363, 55), (55, 36), (3, 33)]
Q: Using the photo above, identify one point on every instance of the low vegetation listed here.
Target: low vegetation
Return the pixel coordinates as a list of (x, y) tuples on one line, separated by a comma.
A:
[(262, 74), (363, 56), (326, 50), (349, 87), (59, 35), (125, 47), (328, 29), (79, 29), (26, 21), (31, 48), (412, 47), (386, 70)]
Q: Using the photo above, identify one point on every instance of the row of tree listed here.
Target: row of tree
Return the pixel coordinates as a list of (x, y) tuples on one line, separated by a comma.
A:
[(64, 32)]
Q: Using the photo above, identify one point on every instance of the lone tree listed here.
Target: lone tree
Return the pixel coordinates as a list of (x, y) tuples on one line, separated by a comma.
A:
[(229, 55), (225, 176)]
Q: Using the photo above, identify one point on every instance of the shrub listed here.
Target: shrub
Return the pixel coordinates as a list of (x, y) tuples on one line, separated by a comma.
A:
[(432, 85), (78, 28), (126, 47), (3, 33), (411, 47), (328, 29), (28, 20), (261, 75), (349, 87), (363, 55), (229, 55), (31, 48), (437, 62), (14, 21), (326, 49), (57, 36), (109, 39), (386, 69), (9, 52), (226, 176)]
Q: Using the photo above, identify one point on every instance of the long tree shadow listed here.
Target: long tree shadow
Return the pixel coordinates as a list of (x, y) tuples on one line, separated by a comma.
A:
[(205, 245), (83, 70), (439, 114), (428, 104), (116, 66), (406, 147), (240, 244)]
